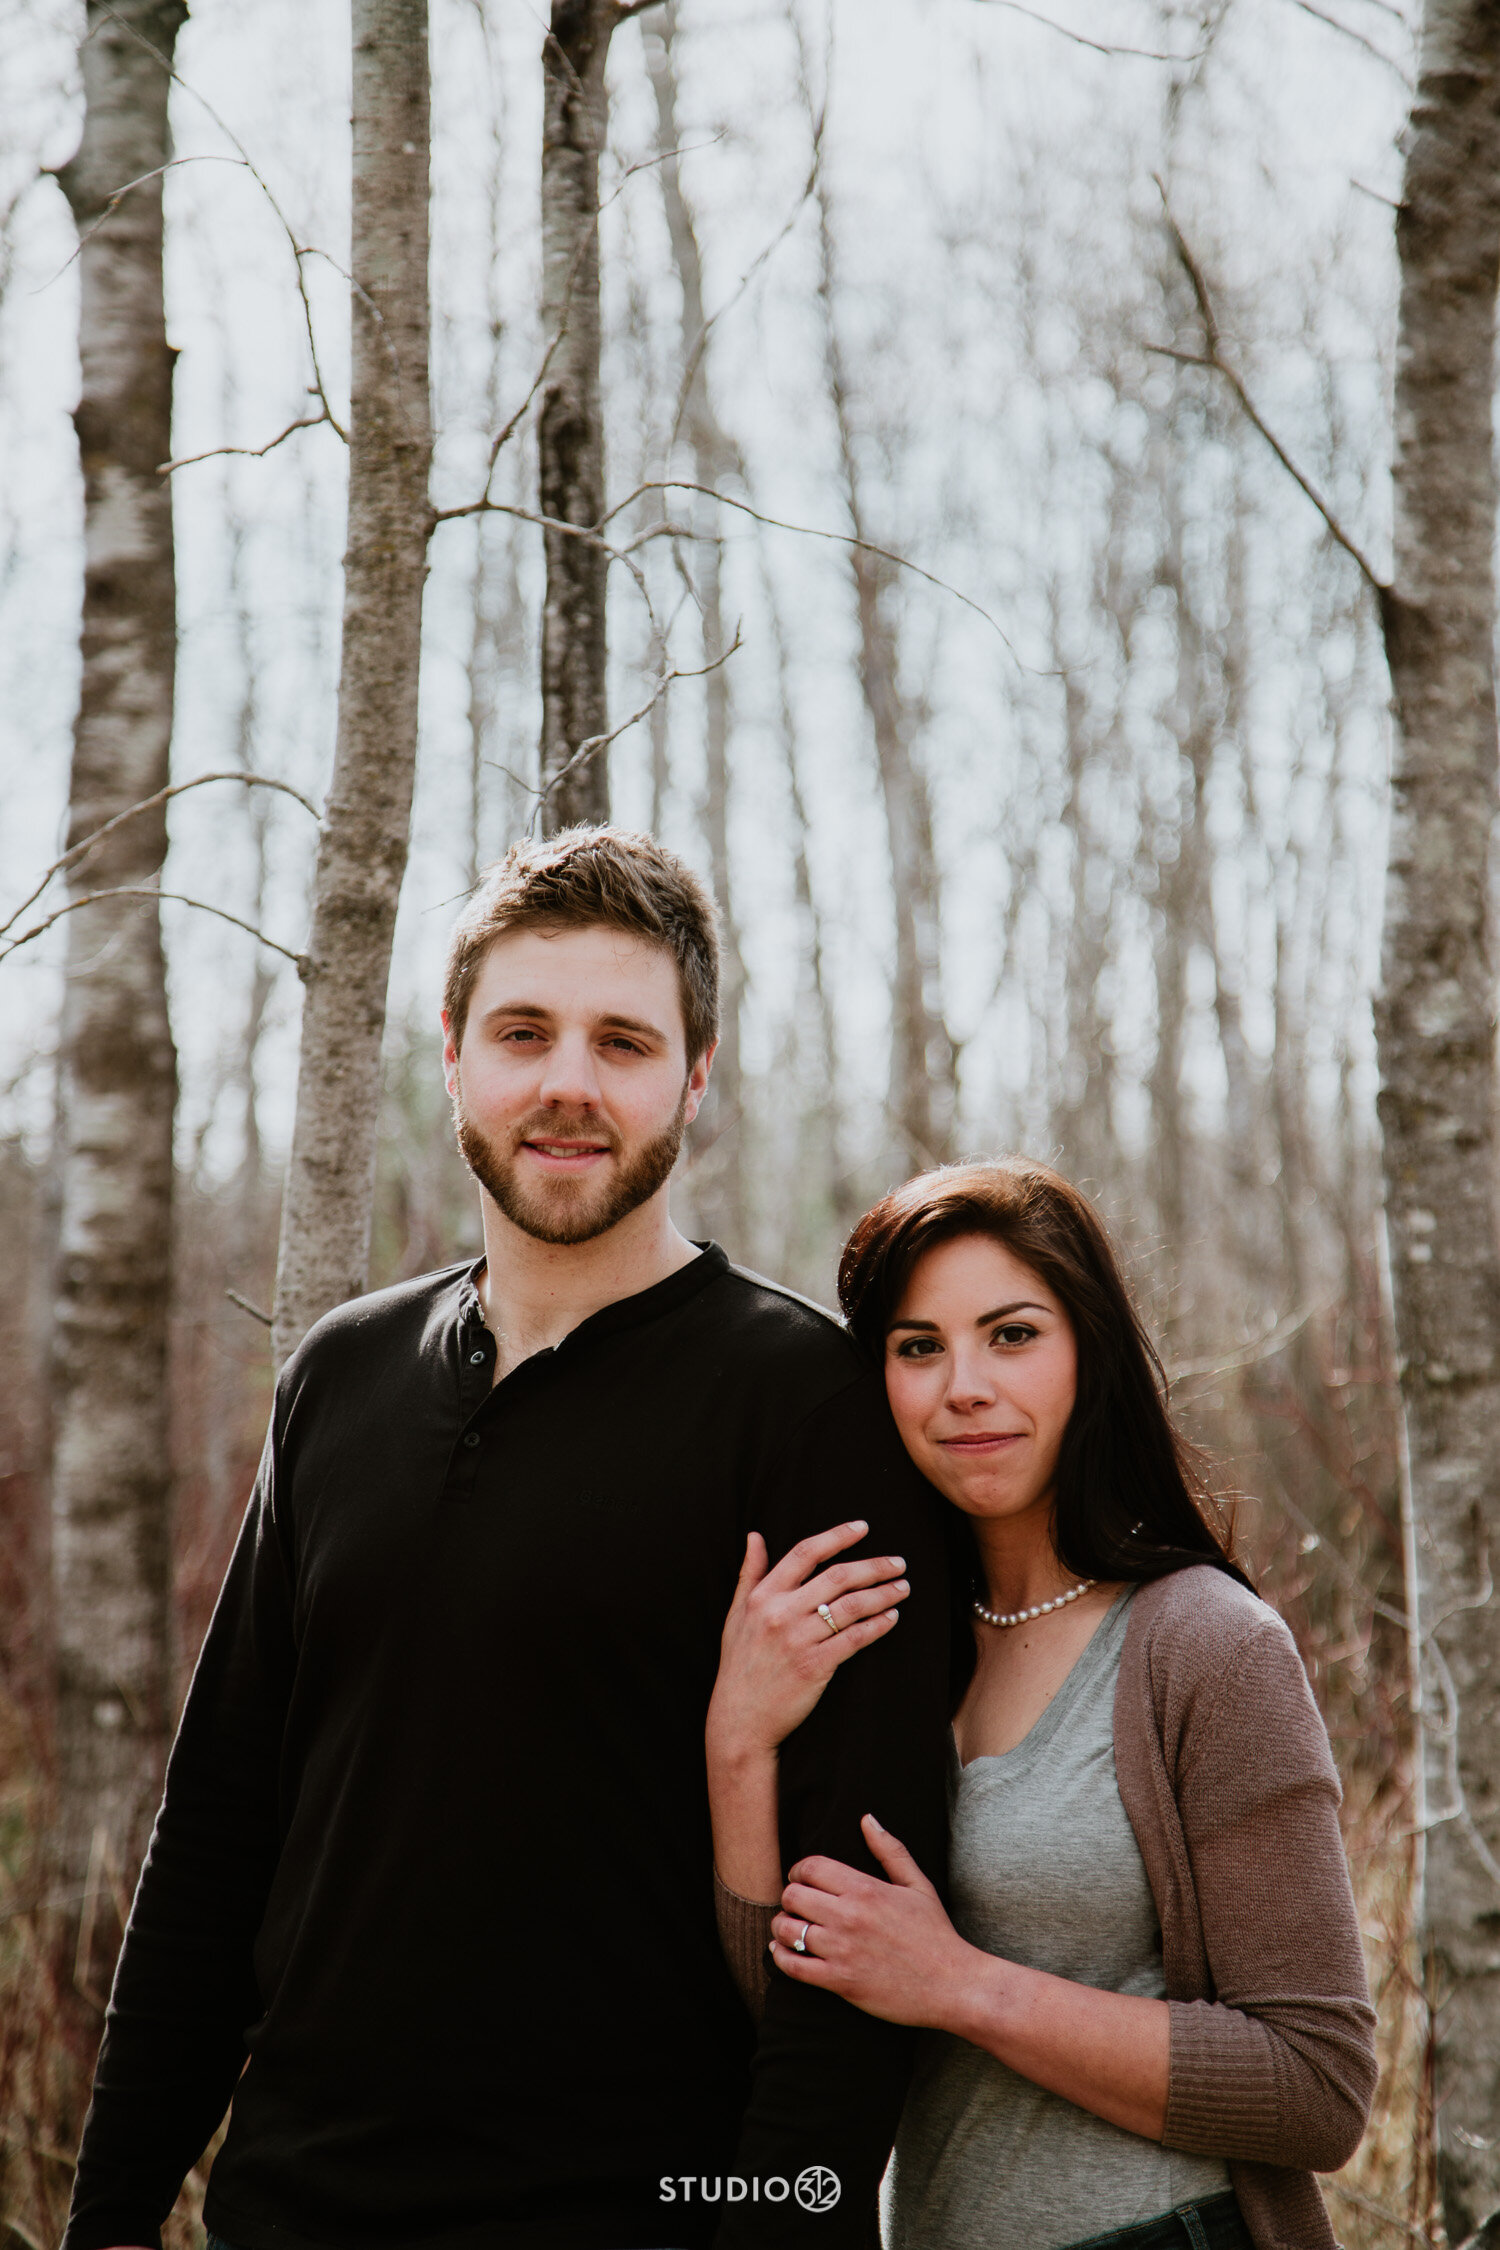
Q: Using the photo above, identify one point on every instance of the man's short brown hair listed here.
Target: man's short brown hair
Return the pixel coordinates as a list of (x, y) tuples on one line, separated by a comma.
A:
[(586, 878)]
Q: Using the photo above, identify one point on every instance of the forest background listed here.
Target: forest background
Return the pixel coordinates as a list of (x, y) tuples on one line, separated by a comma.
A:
[(1032, 722)]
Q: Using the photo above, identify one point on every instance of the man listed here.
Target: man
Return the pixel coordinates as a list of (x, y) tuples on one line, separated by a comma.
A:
[(430, 1893)]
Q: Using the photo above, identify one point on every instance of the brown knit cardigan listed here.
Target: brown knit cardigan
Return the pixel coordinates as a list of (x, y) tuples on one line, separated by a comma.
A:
[(1227, 1779)]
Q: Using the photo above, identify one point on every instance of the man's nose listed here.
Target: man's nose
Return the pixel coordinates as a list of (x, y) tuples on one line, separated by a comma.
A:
[(569, 1078)]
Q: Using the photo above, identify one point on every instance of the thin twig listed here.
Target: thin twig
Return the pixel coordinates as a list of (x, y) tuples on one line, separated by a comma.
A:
[(1376, 2210), (649, 163), (252, 452), (1142, 54), (245, 1306), (813, 531), (85, 845), (700, 341), (120, 193), (149, 890), (298, 250), (1358, 37), (598, 742), (1251, 1354), (1212, 357)]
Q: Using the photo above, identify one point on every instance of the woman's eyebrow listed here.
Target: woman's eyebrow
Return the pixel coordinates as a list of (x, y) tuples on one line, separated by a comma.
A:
[(984, 1320)]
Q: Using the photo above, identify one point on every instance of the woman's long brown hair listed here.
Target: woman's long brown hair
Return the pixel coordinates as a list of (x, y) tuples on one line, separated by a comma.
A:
[(1132, 1499)]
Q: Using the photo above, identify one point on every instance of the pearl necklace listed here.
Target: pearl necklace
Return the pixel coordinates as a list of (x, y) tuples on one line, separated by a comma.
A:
[(1040, 1609)]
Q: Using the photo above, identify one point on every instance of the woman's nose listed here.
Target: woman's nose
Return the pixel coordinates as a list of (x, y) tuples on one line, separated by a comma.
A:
[(971, 1380)]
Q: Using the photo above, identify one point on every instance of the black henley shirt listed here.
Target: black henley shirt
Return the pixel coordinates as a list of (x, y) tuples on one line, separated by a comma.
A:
[(433, 1866)]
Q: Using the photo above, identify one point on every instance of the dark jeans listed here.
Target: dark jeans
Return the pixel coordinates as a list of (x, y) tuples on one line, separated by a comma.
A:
[(1214, 2225)]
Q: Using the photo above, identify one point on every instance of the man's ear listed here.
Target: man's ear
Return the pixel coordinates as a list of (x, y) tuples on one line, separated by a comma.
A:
[(697, 1083), (450, 1053)]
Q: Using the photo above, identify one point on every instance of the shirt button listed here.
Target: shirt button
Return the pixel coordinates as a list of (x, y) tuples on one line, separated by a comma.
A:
[(477, 1359), (471, 1437)]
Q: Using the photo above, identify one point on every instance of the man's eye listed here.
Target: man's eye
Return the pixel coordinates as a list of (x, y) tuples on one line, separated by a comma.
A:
[(520, 1034), (624, 1046)]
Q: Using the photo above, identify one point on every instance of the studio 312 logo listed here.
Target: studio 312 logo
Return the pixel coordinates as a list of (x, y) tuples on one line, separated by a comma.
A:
[(817, 2189)]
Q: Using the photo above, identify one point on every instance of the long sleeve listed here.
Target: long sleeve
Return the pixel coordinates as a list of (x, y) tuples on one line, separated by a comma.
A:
[(185, 1990), (1279, 2066), (829, 2081), (744, 1933)]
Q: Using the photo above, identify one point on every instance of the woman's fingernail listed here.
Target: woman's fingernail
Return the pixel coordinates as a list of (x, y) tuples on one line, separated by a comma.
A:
[(858, 1524), (874, 1823)]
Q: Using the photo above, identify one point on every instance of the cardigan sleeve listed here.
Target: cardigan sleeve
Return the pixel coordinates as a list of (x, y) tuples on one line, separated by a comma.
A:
[(744, 1934), (1279, 2066)]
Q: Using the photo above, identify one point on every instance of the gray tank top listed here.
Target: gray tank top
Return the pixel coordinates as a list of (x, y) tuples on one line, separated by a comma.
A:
[(1045, 1870)]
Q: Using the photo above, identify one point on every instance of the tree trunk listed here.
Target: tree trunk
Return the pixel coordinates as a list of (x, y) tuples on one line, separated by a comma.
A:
[(922, 1098), (117, 1070), (325, 1226), (1436, 1032), (717, 1133), (570, 426)]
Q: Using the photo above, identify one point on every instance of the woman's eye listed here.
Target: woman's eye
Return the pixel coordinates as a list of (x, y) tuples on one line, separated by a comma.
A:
[(1014, 1332), (918, 1347)]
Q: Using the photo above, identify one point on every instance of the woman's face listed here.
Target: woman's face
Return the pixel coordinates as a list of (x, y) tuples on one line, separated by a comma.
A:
[(981, 1370)]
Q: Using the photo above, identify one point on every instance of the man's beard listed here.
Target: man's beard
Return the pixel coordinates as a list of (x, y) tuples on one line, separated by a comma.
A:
[(564, 1211)]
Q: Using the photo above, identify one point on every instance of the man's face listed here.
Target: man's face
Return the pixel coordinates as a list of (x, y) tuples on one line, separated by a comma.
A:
[(571, 1091)]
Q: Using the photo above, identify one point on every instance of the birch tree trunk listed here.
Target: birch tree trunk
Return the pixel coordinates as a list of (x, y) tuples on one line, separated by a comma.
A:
[(117, 1070), (325, 1225), (1436, 1032), (717, 1135), (570, 425)]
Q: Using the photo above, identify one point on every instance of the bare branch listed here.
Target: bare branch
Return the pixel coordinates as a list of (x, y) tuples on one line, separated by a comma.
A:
[(1358, 37), (118, 198), (1212, 357), (650, 163), (149, 890), (1142, 54), (85, 845), (598, 742), (245, 1306), (700, 341), (252, 452), (298, 250), (813, 531), (1251, 1354)]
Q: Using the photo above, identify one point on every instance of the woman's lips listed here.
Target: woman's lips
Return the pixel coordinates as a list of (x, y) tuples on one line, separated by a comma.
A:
[(983, 1441)]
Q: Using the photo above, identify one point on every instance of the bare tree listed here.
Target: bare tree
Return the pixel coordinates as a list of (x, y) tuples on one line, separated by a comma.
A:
[(117, 1077), (325, 1229), (718, 1132), (924, 1063), (570, 425), (1436, 1032)]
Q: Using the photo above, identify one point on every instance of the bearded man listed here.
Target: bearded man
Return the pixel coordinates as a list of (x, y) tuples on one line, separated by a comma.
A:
[(431, 1891)]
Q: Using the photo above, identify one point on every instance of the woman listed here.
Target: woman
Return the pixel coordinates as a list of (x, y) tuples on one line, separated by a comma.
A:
[(1150, 2002)]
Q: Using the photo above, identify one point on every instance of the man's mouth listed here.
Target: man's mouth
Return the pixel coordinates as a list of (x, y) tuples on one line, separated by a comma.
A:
[(572, 1154)]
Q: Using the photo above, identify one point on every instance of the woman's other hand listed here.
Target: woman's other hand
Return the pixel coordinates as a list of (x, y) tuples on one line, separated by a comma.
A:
[(779, 1651), (891, 1949), (887, 1946)]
